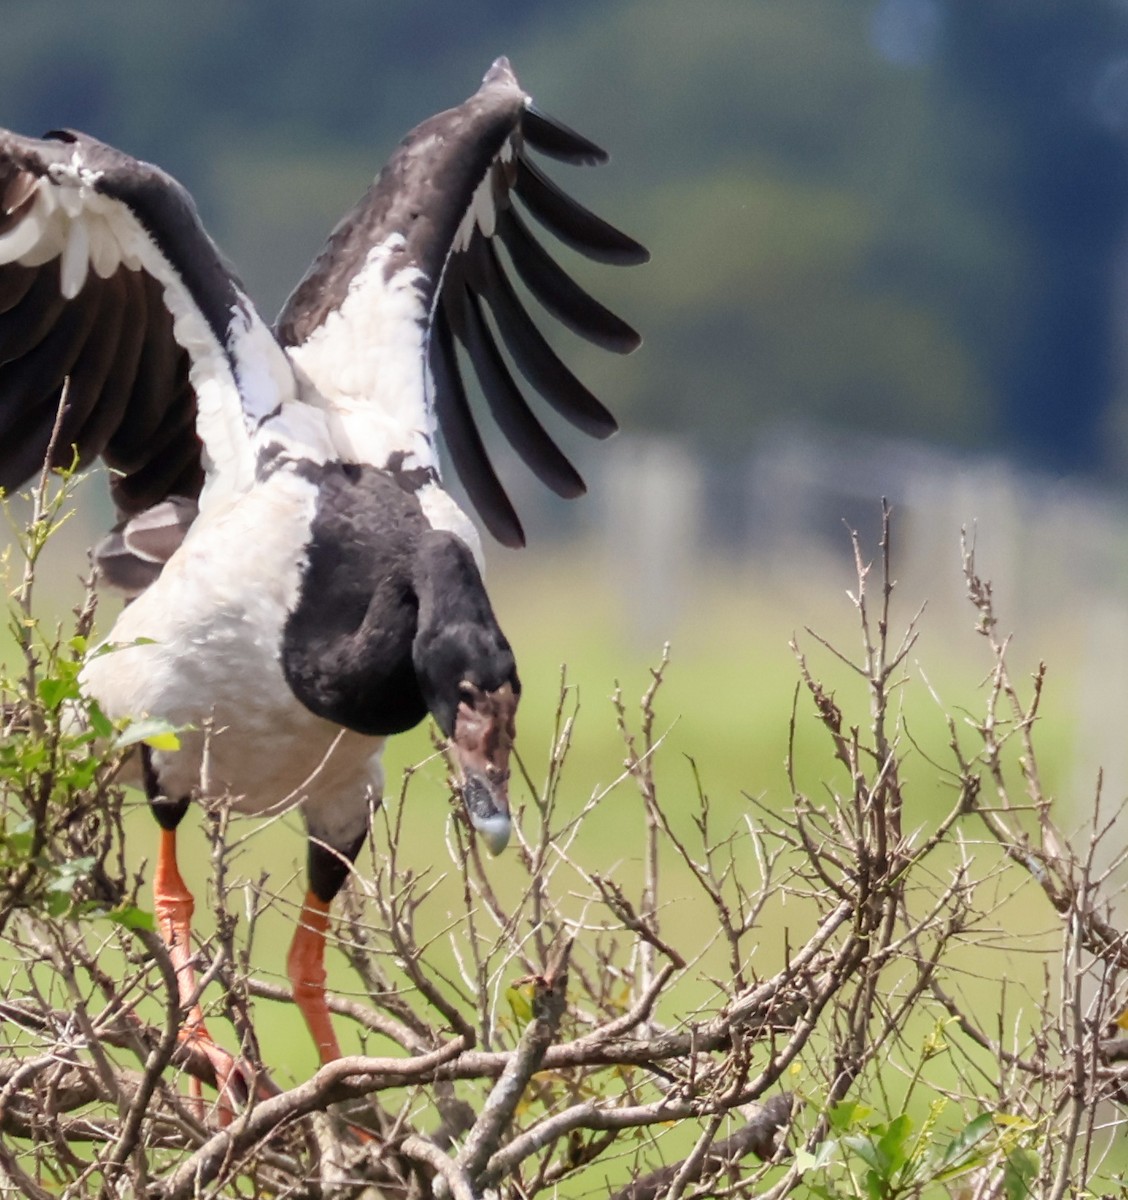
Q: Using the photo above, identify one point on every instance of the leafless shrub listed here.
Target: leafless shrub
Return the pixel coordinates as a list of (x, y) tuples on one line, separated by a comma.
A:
[(554, 1028)]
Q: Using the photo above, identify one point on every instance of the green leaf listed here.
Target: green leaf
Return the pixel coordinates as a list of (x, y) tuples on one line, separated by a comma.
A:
[(964, 1151), (53, 691), (892, 1148), (521, 1003), (20, 838), (848, 1114), (80, 775), (825, 1153), (102, 726), (26, 756), (865, 1148), (163, 741), (160, 735), (67, 874), (104, 648), (1019, 1172), (131, 917), (875, 1185), (806, 1161)]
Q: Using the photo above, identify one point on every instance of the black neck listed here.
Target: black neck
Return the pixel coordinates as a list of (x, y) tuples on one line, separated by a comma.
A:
[(392, 615), (449, 588), (458, 637), (346, 647)]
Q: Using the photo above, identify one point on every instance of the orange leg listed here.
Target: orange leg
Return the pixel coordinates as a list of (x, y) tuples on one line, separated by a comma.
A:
[(174, 906), (306, 968)]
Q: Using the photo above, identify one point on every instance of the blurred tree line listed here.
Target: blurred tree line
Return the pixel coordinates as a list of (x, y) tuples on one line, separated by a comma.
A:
[(898, 215)]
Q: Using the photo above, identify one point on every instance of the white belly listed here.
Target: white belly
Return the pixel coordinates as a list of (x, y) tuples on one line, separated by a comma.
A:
[(201, 650)]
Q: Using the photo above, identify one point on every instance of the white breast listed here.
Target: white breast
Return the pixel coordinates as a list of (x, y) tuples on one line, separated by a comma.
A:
[(201, 649)]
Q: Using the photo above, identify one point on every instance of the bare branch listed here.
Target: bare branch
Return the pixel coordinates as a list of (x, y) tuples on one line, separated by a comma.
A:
[(759, 1136), (549, 997)]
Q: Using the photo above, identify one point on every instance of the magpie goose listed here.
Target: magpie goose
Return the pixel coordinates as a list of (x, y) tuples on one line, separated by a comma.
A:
[(301, 586)]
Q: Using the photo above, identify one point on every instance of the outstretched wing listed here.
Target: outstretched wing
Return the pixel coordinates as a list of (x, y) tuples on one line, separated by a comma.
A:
[(410, 271), (115, 303)]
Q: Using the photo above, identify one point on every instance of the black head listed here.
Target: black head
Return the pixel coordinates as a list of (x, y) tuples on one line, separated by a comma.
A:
[(468, 677)]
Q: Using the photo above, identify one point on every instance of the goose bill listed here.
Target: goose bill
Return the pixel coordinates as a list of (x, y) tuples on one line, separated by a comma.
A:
[(487, 805), (483, 738)]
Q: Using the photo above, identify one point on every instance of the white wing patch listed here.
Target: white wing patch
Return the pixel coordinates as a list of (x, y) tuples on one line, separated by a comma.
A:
[(442, 512), (69, 220), (365, 365), (482, 213), (105, 253), (261, 367), (74, 262)]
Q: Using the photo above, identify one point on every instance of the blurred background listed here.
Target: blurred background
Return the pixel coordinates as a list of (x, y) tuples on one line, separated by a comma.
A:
[(889, 258)]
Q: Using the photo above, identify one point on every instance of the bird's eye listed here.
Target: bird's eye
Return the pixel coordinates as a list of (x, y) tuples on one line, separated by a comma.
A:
[(466, 695)]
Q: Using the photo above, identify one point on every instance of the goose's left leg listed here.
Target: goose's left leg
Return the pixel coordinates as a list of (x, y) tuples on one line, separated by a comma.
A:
[(305, 965)]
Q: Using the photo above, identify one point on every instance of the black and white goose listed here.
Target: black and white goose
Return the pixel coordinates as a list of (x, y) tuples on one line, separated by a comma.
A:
[(302, 585)]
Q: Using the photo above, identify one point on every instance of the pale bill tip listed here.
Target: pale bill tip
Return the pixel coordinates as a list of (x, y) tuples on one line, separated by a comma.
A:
[(494, 830)]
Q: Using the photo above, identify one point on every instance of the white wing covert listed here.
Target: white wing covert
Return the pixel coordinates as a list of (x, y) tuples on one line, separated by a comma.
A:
[(405, 275)]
